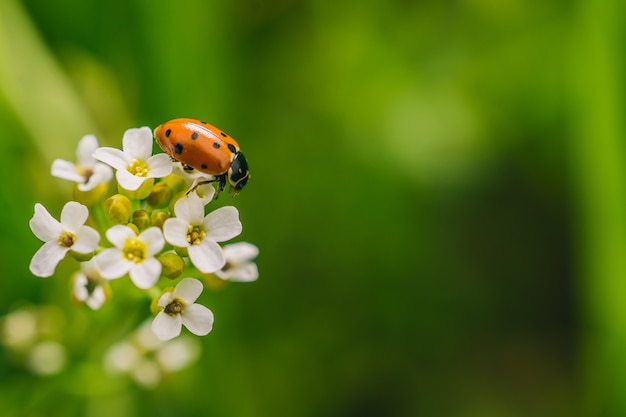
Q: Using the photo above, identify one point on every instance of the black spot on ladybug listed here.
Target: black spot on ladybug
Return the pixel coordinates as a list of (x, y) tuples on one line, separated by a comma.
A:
[(178, 148), (223, 134), (216, 145), (203, 166), (232, 148), (194, 135), (168, 132)]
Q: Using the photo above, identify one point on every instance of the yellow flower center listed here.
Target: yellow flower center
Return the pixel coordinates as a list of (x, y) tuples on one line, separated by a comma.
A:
[(135, 250), (138, 168), (176, 306), (67, 239), (195, 234)]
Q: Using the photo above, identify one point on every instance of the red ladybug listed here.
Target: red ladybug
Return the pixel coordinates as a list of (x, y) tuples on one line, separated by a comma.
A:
[(204, 147)]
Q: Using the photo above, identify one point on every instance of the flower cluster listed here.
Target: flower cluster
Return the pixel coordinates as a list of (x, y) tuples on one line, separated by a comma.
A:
[(151, 227)]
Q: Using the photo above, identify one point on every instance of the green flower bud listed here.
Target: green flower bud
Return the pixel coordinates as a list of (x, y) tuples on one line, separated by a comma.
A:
[(176, 183), (173, 265), (158, 217), (118, 209), (142, 192), (141, 219), (161, 195), (134, 227)]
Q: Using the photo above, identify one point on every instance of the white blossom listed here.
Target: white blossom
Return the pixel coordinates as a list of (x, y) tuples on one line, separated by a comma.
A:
[(135, 163), (60, 237)]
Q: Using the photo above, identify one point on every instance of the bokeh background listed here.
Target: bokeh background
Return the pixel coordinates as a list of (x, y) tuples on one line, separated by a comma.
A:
[(438, 196)]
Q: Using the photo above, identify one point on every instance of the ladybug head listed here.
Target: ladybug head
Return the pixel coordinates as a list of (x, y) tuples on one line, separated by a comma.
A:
[(238, 173)]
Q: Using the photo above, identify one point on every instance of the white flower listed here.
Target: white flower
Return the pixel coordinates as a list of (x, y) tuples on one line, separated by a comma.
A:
[(60, 237), (147, 358), (239, 265), (87, 172), (199, 234), (132, 254), (87, 285), (178, 308), (135, 164)]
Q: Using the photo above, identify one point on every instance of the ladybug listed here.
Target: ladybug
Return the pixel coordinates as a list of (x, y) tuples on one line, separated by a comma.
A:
[(201, 146)]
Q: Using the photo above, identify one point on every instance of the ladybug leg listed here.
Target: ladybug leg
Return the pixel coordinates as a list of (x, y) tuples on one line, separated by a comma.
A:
[(198, 182), (220, 179)]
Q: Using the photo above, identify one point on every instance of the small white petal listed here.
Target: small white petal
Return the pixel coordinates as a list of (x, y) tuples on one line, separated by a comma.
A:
[(206, 192), (153, 238), (189, 289), (190, 209), (44, 226), (47, 258), (165, 299), (114, 157), (167, 327), (119, 234), (137, 143), (66, 170), (198, 319), (112, 263), (247, 272), (222, 224), (128, 181), (145, 274), (86, 241), (101, 174), (86, 147), (206, 256), (73, 216), (80, 287), (240, 252), (98, 297), (175, 232), (160, 165)]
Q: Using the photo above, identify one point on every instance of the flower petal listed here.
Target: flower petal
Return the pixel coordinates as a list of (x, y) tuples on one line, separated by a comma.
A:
[(128, 181), (175, 232), (113, 156), (87, 240), (207, 256), (137, 143), (160, 165), (222, 224), (44, 226), (73, 216), (167, 327), (112, 263), (153, 238), (145, 274), (118, 235), (86, 147), (240, 252), (198, 319), (101, 174), (190, 209), (47, 258), (189, 289), (65, 170), (97, 298), (246, 272)]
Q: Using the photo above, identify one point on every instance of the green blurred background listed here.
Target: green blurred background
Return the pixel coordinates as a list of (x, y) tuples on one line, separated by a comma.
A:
[(438, 196)]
